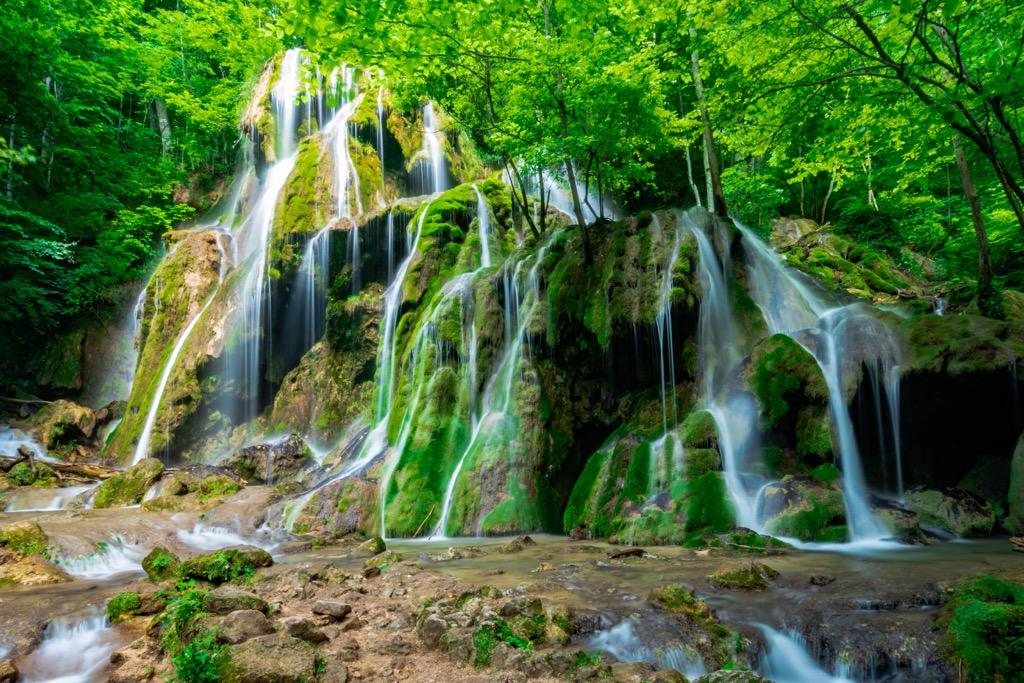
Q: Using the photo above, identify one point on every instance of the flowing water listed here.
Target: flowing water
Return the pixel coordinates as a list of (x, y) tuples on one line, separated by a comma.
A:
[(113, 558), (483, 219), (434, 170), (788, 661), (28, 499), (72, 652)]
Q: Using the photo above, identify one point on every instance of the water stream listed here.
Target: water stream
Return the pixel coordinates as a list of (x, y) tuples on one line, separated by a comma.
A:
[(72, 652)]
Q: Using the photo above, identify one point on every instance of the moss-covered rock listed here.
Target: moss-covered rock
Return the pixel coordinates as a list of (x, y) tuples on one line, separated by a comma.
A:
[(961, 344), (754, 576), (806, 508), (129, 487), (271, 659), (227, 564), (160, 564), (64, 422), (24, 538), (283, 459), (953, 509), (123, 606)]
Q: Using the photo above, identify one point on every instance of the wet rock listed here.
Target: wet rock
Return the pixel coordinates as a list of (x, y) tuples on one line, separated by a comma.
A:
[(953, 509), (374, 546), (628, 552), (272, 659), (544, 567), (276, 461), (807, 508), (523, 607), (386, 558), (431, 630), (197, 487), (227, 599), (303, 629), (23, 538), (335, 610), (242, 625), (33, 570), (516, 545), (752, 577), (990, 479), (822, 580), (732, 677), (160, 564), (225, 564), (8, 672), (905, 524), (63, 422), (129, 487)]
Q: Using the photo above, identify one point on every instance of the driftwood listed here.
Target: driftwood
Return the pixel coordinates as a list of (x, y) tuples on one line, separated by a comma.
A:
[(1017, 544), (628, 552), (24, 400), (71, 470)]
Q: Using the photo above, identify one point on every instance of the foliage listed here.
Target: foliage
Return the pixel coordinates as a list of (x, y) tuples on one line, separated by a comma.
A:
[(123, 605), (490, 634), (985, 628), (199, 661)]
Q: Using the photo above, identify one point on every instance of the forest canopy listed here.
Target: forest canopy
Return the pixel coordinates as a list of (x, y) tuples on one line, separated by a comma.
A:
[(898, 123)]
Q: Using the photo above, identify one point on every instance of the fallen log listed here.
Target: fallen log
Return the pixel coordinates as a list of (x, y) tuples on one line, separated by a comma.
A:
[(84, 470), (628, 552), (1017, 544)]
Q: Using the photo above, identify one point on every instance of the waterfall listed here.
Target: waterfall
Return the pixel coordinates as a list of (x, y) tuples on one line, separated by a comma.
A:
[(497, 397), (284, 98), (622, 642), (892, 392), (735, 416), (381, 123), (483, 220), (663, 325), (787, 660), (839, 339), (113, 558), (72, 652), (142, 449), (433, 152)]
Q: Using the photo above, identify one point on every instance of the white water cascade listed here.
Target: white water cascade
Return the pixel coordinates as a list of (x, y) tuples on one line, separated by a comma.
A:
[(72, 652), (112, 558), (433, 151), (840, 339), (142, 448), (623, 643), (483, 219), (787, 660)]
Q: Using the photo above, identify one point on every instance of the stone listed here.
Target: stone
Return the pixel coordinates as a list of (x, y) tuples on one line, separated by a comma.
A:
[(905, 524), (227, 599), (523, 607), (329, 608), (806, 508), (34, 570), (225, 564), (388, 557), (371, 547), (272, 659), (732, 677), (276, 461), (160, 564), (751, 577), (353, 624), (1015, 520), (958, 511), (633, 672), (431, 630), (347, 648), (8, 672), (24, 537), (668, 676), (516, 545), (371, 572), (242, 625), (129, 487), (62, 422), (303, 629)]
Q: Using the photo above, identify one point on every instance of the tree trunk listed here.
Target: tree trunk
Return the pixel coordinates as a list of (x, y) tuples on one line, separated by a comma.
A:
[(588, 253), (718, 196), (689, 174), (162, 124), (984, 259), (824, 203)]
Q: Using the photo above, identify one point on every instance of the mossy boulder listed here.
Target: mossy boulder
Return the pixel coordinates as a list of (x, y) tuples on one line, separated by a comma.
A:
[(990, 480), (958, 511), (271, 659), (64, 422), (281, 460), (699, 430), (386, 558), (371, 547), (129, 487), (24, 538), (160, 564), (227, 564), (959, 345), (196, 487), (23, 474), (228, 599), (754, 576), (905, 524), (806, 508), (123, 606)]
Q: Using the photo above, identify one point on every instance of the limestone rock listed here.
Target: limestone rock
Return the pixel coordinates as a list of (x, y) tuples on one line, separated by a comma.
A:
[(732, 677), (806, 508), (953, 509), (62, 422), (23, 538), (516, 545), (272, 659), (275, 461), (227, 599), (242, 625), (432, 630), (129, 487), (34, 570), (751, 577), (160, 564), (335, 610), (303, 629), (374, 546), (225, 564)]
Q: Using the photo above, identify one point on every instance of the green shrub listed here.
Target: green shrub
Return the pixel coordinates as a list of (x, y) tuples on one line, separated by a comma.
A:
[(123, 605), (199, 661), (986, 628)]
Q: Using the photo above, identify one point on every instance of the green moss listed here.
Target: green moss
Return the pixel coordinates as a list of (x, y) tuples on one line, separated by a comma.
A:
[(488, 635), (752, 577), (123, 605), (826, 473), (160, 564), (673, 597), (24, 538), (700, 430), (820, 516), (985, 629), (783, 373), (229, 564), (708, 507), (129, 487), (814, 434)]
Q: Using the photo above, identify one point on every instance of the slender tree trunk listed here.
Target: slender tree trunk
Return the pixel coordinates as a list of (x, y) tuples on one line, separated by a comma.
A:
[(588, 253), (542, 218), (709, 193), (162, 124), (824, 203), (984, 259), (522, 201), (718, 196), (689, 175)]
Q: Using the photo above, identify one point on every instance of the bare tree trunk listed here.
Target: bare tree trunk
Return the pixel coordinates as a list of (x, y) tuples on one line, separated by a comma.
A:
[(824, 203), (689, 174), (984, 293), (717, 198), (162, 124)]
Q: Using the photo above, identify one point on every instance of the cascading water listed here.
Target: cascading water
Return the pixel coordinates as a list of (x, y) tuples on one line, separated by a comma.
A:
[(143, 447), (622, 642), (483, 218), (72, 652), (435, 177), (787, 660), (840, 340), (114, 557)]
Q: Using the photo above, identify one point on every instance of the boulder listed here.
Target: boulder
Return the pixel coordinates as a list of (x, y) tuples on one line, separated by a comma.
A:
[(990, 480), (160, 564), (335, 610), (754, 576), (905, 524), (23, 538), (129, 487), (958, 511), (303, 629), (516, 545), (276, 461), (8, 672), (1015, 521), (225, 564), (228, 599), (63, 422), (242, 625), (806, 508), (196, 487), (732, 677), (34, 570), (371, 547), (388, 557), (431, 630), (272, 659)]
